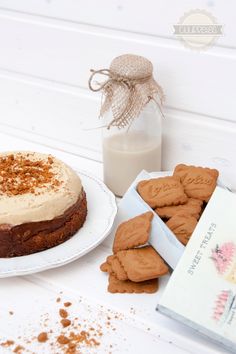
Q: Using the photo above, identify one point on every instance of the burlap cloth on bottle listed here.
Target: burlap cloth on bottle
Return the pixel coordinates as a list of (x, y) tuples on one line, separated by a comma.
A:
[(129, 87)]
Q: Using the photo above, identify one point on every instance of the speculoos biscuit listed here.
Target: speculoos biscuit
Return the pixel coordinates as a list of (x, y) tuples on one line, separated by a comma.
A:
[(163, 191), (192, 207), (127, 286), (182, 225), (142, 264), (198, 182), (133, 233)]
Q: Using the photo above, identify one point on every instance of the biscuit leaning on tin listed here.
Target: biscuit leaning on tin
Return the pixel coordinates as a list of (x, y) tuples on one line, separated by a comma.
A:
[(135, 267)]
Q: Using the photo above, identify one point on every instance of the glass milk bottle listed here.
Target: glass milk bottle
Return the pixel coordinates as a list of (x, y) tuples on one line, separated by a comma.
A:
[(129, 150), (131, 111)]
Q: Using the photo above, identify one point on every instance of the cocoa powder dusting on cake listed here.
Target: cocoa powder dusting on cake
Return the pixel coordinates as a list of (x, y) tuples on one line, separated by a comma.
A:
[(20, 175)]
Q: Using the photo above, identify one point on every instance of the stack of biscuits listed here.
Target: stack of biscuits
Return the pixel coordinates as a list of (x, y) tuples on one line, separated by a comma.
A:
[(134, 266), (180, 199)]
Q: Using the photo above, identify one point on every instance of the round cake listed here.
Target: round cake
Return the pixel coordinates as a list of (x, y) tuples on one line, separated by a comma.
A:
[(42, 203)]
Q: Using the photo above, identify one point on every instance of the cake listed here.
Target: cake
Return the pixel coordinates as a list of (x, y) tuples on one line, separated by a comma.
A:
[(42, 203), (224, 258)]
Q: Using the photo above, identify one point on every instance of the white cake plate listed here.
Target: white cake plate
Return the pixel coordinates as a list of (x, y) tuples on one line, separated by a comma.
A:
[(102, 210)]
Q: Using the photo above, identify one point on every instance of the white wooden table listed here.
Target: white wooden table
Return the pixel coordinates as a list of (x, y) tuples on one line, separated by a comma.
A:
[(138, 327)]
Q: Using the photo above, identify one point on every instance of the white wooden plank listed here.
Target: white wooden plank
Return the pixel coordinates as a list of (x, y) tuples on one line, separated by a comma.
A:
[(150, 16), (24, 325), (65, 52), (58, 118), (194, 139), (69, 116), (184, 141)]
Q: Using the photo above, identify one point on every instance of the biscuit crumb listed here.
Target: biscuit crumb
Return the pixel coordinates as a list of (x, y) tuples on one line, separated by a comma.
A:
[(65, 322), (18, 349), (8, 343), (42, 337), (63, 339), (63, 313), (31, 175), (67, 304)]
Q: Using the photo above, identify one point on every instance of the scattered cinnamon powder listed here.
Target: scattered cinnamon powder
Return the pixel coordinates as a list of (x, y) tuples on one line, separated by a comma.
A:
[(20, 175), (8, 343), (63, 339), (65, 322), (73, 341), (63, 313), (71, 349), (94, 342), (69, 341), (18, 349), (42, 337)]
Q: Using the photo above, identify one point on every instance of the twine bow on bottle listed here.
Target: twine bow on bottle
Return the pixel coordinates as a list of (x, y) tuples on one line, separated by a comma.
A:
[(116, 79), (129, 87)]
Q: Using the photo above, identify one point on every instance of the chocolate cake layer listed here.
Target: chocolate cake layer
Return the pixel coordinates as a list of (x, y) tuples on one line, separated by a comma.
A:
[(33, 237)]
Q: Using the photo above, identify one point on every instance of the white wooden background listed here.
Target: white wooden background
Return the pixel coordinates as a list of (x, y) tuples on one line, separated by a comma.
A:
[(48, 46)]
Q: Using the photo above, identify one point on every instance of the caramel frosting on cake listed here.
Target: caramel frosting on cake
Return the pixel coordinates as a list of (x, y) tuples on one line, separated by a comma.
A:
[(35, 187)]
